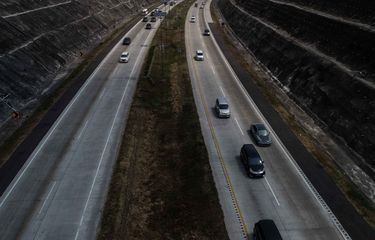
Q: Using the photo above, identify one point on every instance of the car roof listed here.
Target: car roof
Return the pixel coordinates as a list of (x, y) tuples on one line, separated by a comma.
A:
[(260, 126), (125, 53), (268, 229), (199, 51), (222, 100), (251, 151)]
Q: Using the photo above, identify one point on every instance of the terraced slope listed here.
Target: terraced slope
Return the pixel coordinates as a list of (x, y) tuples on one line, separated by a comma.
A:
[(324, 61), (39, 39)]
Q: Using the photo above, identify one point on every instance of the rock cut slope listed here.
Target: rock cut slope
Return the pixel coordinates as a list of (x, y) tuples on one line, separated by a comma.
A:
[(322, 60), (39, 39)]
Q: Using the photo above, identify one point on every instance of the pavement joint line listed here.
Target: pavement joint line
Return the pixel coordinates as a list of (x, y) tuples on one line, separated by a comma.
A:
[(45, 200), (312, 189), (216, 143), (238, 125), (83, 129), (57, 122), (273, 193), (109, 135), (221, 89)]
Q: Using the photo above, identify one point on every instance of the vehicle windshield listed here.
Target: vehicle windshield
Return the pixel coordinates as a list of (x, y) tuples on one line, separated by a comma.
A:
[(223, 106), (257, 167), (124, 55), (263, 133)]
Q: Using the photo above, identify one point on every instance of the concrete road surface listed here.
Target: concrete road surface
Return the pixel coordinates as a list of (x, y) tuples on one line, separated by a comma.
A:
[(60, 190), (283, 194)]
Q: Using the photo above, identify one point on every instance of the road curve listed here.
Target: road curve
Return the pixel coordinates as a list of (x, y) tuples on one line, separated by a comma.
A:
[(60, 190), (284, 194)]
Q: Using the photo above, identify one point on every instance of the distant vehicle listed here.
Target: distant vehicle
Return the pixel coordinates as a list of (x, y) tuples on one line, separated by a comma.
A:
[(260, 134), (124, 58), (206, 32), (222, 107), (145, 19), (153, 19), (192, 19), (152, 13), (171, 3), (126, 41), (266, 229), (203, 3), (196, 5), (144, 11), (252, 161), (148, 26), (199, 55), (201, 7)]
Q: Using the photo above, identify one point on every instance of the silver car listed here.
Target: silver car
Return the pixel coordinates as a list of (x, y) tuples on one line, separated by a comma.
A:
[(222, 107), (124, 57)]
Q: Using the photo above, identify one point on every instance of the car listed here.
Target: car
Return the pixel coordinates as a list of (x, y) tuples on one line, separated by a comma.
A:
[(222, 107), (260, 134), (145, 19), (266, 229), (192, 19), (126, 41), (199, 55), (153, 19), (148, 26), (201, 7), (152, 13), (253, 163), (196, 5), (206, 32), (124, 58)]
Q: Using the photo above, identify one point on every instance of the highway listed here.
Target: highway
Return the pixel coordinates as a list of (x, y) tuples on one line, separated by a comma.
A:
[(60, 190), (284, 194)]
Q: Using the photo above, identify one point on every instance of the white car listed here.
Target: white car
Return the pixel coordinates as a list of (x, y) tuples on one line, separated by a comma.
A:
[(124, 57), (192, 19), (199, 55)]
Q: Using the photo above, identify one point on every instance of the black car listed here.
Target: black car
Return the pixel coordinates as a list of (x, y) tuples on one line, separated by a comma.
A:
[(266, 229), (252, 161), (148, 26), (260, 134), (126, 41), (206, 32), (153, 19), (145, 19)]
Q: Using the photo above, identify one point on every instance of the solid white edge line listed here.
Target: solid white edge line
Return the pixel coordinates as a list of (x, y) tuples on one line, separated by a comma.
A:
[(54, 126), (309, 185), (108, 139), (45, 200)]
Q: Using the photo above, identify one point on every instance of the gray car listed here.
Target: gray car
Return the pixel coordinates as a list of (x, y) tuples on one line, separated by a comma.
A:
[(260, 134), (222, 107)]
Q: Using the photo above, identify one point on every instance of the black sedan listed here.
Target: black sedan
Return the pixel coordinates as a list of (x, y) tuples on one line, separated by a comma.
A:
[(260, 134)]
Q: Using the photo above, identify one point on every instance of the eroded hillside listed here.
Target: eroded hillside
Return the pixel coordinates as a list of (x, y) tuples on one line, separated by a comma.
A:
[(322, 55), (39, 39)]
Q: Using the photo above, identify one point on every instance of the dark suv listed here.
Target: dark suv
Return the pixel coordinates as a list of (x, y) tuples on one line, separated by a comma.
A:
[(252, 161), (126, 41), (266, 230)]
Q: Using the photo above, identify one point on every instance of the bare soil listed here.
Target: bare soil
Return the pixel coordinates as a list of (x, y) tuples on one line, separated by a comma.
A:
[(162, 186)]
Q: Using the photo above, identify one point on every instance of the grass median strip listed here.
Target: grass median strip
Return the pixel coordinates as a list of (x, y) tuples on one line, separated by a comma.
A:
[(162, 186)]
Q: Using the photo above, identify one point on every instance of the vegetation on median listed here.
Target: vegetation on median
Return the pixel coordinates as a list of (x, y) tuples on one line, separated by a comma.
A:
[(162, 186)]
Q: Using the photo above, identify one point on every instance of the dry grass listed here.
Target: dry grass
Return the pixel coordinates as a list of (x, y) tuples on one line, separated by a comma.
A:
[(162, 186)]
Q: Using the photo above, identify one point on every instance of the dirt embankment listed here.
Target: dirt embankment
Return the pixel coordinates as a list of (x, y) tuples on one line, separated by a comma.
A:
[(324, 65), (162, 187), (39, 41)]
